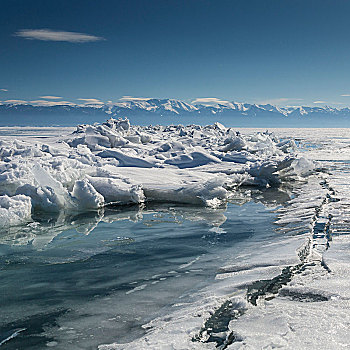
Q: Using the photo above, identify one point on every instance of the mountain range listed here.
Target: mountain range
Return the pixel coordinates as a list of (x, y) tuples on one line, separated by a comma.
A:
[(171, 111)]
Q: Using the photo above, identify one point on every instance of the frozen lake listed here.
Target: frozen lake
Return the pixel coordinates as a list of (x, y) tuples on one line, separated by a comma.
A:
[(83, 290), (269, 270)]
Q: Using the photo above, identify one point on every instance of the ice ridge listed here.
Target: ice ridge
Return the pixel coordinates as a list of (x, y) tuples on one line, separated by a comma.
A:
[(116, 163)]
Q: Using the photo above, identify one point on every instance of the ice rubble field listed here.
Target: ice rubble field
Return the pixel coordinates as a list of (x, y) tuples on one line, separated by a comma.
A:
[(116, 163), (292, 293)]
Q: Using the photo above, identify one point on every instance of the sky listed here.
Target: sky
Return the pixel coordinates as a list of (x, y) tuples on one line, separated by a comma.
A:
[(283, 52)]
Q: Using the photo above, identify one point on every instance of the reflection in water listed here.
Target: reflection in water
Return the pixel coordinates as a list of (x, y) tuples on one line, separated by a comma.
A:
[(79, 281), (47, 226), (271, 197)]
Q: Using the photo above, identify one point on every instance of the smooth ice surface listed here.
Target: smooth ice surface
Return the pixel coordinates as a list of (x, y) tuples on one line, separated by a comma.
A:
[(89, 280)]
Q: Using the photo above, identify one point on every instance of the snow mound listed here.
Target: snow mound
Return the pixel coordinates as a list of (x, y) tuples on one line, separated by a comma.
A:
[(14, 210), (117, 163)]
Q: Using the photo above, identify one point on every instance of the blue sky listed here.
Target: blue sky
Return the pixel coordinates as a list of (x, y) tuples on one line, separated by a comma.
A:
[(285, 52)]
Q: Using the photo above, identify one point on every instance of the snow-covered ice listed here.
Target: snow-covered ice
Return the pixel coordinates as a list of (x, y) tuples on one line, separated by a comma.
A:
[(116, 163), (285, 287)]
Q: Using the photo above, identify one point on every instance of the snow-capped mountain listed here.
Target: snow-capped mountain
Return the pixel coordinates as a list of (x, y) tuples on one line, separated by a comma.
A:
[(165, 111)]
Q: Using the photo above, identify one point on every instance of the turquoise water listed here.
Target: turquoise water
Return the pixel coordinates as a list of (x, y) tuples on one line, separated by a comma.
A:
[(97, 278)]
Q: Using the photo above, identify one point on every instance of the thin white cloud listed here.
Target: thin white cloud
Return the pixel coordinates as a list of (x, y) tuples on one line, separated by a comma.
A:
[(50, 97), (209, 101), (131, 98), (16, 101), (345, 95), (91, 101), (56, 35), (51, 103), (3, 90), (319, 102)]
